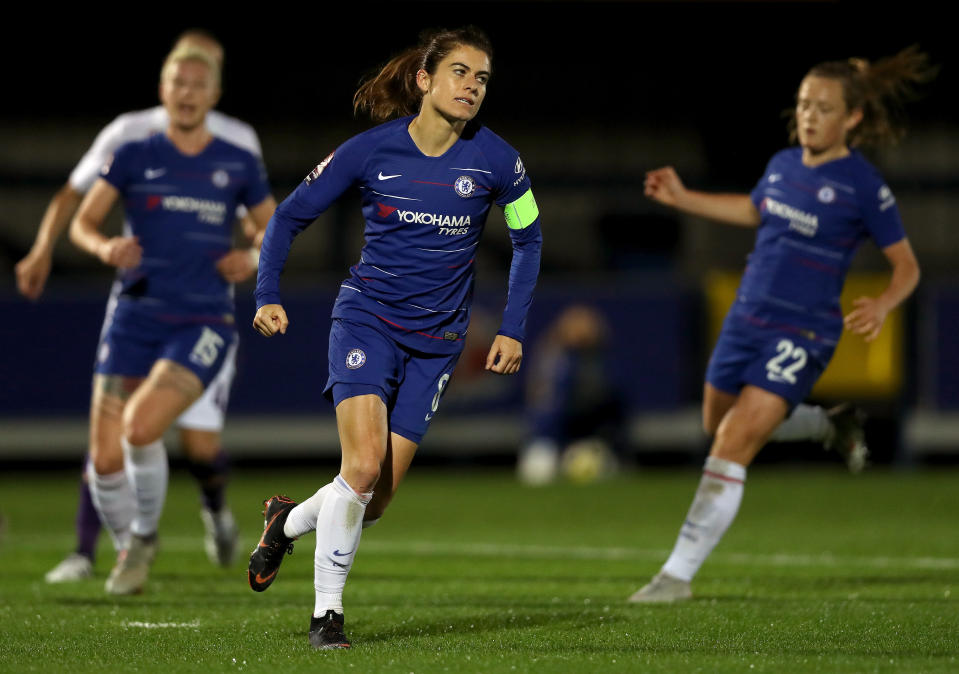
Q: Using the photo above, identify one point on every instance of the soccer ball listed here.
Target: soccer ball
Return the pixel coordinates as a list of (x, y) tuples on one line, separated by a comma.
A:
[(588, 460)]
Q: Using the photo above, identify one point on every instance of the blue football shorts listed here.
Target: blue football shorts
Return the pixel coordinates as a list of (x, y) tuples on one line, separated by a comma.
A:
[(365, 360), (778, 360), (133, 340)]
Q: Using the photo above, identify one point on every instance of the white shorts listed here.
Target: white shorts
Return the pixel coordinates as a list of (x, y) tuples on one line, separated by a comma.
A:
[(209, 410)]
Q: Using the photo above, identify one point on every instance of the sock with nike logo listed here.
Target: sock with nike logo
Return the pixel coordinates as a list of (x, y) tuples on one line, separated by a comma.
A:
[(338, 529)]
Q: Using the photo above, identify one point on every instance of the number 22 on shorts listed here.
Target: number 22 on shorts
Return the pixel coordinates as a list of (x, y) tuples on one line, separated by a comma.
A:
[(778, 370)]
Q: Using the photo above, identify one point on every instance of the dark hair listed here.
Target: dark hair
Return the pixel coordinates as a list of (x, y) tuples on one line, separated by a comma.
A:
[(393, 92), (878, 89)]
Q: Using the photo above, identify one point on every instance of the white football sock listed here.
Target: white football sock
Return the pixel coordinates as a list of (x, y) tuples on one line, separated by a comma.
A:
[(113, 498), (807, 422), (338, 529), (714, 507), (302, 519), (148, 471)]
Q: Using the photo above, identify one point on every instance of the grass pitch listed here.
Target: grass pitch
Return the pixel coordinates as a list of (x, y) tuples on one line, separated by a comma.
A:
[(470, 572)]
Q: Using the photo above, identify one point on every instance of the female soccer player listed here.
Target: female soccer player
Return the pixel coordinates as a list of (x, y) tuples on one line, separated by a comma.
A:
[(201, 424), (173, 323), (813, 206), (427, 181)]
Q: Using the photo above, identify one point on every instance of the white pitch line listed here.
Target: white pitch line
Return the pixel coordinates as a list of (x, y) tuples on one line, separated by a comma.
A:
[(152, 626), (428, 548)]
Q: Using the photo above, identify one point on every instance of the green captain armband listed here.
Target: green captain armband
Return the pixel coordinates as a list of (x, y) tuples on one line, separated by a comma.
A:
[(521, 213)]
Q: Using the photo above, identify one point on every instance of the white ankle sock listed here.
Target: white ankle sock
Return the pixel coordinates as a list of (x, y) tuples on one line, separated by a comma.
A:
[(148, 471), (807, 422), (338, 530), (113, 498), (302, 519), (714, 507)]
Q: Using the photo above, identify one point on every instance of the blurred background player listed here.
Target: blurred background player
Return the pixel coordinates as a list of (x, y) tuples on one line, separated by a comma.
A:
[(427, 181), (813, 206), (170, 324), (575, 414), (201, 425)]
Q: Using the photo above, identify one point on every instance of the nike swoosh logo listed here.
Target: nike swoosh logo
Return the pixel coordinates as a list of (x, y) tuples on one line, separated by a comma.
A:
[(150, 174), (342, 554), (261, 579), (383, 177)]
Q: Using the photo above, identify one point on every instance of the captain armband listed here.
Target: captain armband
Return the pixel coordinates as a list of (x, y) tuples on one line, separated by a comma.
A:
[(521, 213)]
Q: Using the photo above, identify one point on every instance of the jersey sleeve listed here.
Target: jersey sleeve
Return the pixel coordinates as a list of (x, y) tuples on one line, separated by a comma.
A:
[(324, 185), (515, 194), (880, 215), (107, 141), (118, 168), (257, 186), (757, 195)]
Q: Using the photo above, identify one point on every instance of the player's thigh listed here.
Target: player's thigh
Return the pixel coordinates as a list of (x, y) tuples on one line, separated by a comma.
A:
[(748, 424), (166, 393), (716, 404), (205, 418), (424, 381)]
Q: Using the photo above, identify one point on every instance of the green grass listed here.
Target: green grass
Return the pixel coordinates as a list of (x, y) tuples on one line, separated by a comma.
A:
[(469, 572)]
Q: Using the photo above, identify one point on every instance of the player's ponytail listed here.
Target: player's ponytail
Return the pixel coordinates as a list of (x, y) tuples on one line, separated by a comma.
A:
[(393, 92), (879, 89)]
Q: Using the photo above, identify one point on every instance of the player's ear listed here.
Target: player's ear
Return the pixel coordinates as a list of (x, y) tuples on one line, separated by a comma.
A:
[(423, 81)]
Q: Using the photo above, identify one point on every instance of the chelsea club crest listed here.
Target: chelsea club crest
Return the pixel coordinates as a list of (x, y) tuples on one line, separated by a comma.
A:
[(464, 186), (355, 359)]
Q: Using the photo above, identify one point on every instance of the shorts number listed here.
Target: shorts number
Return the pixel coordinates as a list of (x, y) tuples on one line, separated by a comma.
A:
[(207, 348), (777, 371), (440, 387)]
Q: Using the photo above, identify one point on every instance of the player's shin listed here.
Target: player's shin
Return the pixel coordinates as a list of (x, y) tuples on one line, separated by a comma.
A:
[(338, 529), (113, 498), (148, 471), (714, 507)]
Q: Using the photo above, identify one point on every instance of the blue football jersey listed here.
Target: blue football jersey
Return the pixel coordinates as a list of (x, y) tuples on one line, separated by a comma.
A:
[(182, 209), (424, 218), (812, 222)]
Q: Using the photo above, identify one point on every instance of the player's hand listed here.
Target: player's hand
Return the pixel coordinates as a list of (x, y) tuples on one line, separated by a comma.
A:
[(237, 265), (663, 185), (866, 318), (32, 272), (271, 319), (505, 355), (123, 252)]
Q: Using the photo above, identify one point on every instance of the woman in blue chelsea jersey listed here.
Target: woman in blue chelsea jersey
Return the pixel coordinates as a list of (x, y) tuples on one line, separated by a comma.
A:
[(812, 207), (427, 179), (170, 321)]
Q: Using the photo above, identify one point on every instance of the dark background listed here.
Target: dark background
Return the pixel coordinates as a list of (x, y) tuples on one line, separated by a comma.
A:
[(718, 74)]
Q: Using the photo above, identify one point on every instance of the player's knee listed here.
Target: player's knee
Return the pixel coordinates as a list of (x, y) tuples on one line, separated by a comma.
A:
[(361, 473), (138, 431), (106, 463)]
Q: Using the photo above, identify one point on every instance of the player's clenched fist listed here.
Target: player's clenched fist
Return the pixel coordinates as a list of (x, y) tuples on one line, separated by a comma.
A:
[(664, 186), (270, 319)]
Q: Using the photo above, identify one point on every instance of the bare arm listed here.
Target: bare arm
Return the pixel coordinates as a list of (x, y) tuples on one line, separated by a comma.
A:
[(867, 317), (118, 251), (663, 185), (240, 264), (32, 271)]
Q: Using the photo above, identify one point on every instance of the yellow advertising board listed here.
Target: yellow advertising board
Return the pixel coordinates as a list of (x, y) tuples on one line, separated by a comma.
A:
[(858, 369)]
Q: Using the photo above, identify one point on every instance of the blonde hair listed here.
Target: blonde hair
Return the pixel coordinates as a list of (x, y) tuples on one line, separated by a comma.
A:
[(190, 52)]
